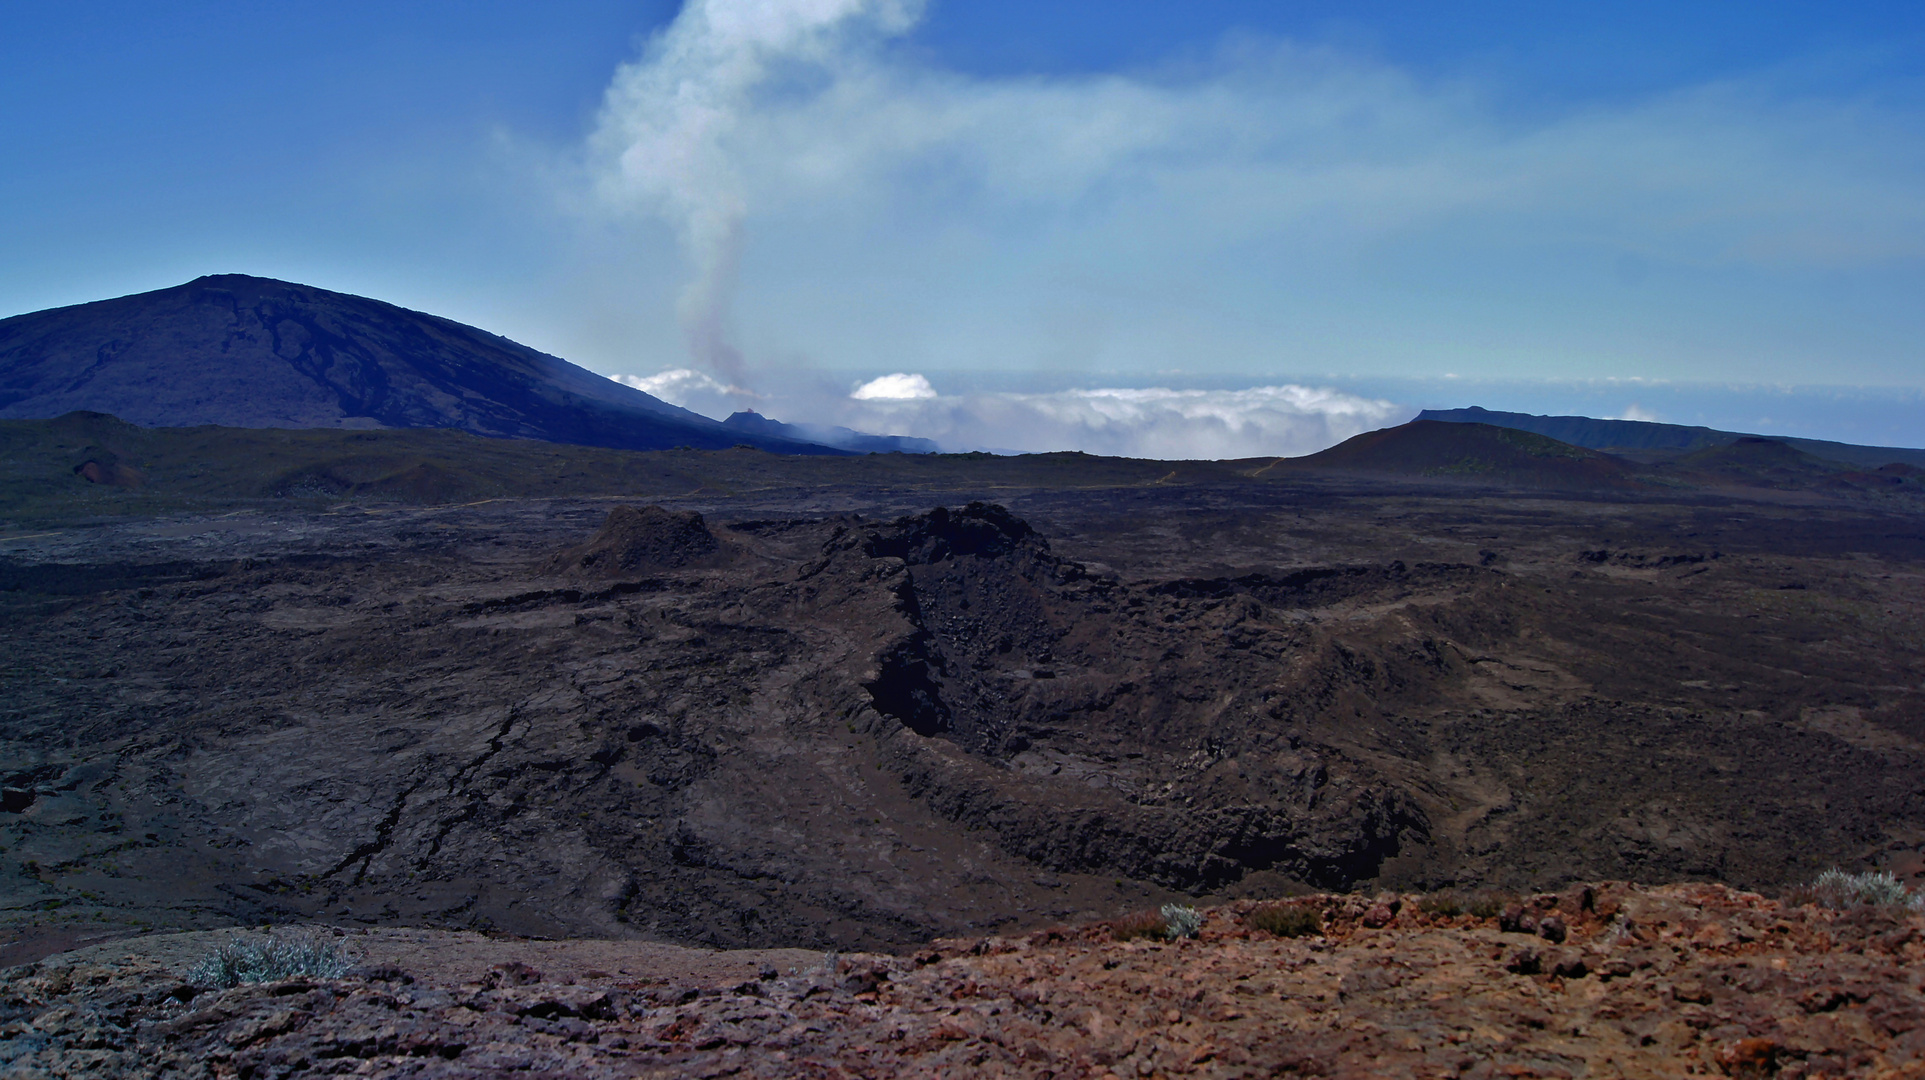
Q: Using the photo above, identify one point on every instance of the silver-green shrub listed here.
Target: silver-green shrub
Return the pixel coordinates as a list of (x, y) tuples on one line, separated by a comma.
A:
[(246, 960), (1180, 921), (1875, 888)]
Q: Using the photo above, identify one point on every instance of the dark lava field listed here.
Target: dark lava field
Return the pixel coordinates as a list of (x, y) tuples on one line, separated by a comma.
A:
[(860, 719)]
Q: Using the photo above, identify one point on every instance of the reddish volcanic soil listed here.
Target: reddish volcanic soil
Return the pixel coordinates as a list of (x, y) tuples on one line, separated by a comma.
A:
[(1610, 981)]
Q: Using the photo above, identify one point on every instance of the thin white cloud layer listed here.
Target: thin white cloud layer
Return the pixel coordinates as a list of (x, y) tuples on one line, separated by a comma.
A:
[(1145, 422), (897, 387), (1251, 209), (694, 390), (1148, 422)]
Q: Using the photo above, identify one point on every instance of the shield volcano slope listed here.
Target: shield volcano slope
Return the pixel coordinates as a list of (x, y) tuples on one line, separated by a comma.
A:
[(1659, 441), (244, 351)]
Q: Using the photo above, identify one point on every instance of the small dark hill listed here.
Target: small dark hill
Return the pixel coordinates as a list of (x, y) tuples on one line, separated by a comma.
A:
[(1754, 461), (110, 472), (1471, 453), (397, 477), (648, 538), (983, 529), (99, 445), (242, 351), (1897, 475)]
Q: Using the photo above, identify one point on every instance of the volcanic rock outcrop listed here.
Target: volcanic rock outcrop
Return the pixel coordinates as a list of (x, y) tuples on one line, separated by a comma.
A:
[(1073, 695), (639, 539), (865, 729)]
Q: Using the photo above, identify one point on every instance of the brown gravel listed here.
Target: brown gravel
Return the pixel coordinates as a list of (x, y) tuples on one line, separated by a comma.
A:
[(1685, 980)]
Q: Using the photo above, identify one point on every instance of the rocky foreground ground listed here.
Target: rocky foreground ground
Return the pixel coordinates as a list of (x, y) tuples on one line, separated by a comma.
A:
[(1606, 981)]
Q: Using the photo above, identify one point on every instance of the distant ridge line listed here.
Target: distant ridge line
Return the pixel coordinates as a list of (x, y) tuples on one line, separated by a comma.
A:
[(1595, 434), (234, 350)]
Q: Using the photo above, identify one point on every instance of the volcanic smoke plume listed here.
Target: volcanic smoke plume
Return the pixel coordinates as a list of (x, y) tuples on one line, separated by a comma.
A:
[(669, 121)]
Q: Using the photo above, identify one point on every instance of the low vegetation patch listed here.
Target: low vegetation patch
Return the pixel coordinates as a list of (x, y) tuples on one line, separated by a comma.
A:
[(1180, 921), (1172, 922), (240, 961), (1140, 924), (1841, 889), (1286, 920), (1487, 905), (1448, 903)]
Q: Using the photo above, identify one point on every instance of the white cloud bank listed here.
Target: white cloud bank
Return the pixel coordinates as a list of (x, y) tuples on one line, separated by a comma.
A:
[(1144, 422), (1152, 422), (1274, 207), (1634, 411), (693, 390), (897, 387)]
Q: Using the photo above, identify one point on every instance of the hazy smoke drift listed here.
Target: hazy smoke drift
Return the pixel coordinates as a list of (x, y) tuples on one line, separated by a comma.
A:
[(670, 118)]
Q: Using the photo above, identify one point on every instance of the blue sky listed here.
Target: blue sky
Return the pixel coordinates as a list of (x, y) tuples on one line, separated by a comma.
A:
[(1559, 207)]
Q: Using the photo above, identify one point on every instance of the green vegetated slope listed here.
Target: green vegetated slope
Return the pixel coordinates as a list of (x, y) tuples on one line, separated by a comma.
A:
[(94, 465), (87, 464), (1765, 462), (1759, 463)]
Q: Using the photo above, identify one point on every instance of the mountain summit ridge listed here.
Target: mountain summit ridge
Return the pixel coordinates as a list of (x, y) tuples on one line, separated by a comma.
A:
[(1594, 433), (242, 351)]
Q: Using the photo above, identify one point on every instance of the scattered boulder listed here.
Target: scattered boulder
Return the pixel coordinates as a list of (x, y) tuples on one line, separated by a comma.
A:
[(1517, 919), (512, 973), (1570, 965), (1524, 961), (864, 973)]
